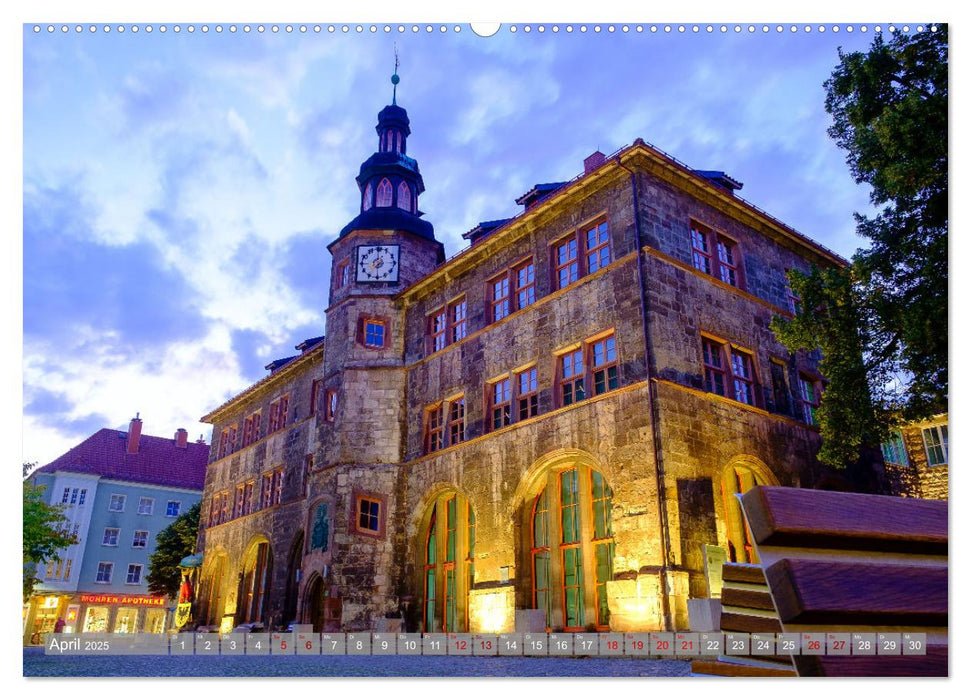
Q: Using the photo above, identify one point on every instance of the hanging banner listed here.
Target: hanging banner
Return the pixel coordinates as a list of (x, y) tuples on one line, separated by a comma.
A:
[(182, 612)]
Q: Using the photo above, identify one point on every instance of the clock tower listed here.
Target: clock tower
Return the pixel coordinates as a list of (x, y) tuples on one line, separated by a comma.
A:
[(387, 247)]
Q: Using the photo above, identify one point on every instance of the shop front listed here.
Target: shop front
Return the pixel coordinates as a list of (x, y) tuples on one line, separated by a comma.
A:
[(123, 614)]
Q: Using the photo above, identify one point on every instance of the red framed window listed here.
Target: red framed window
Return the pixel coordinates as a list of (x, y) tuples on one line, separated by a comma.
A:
[(714, 366), (266, 499), (330, 405), (500, 297), (437, 327), (743, 377), (527, 398), (540, 555), (728, 270), (729, 372), (604, 365), (227, 441), (238, 506), (701, 247), (524, 278), (566, 262), (224, 506), (368, 514), (248, 497), (501, 400), (278, 413), (251, 429), (571, 376), (457, 320), (383, 194), (570, 550), (456, 421), (581, 253), (214, 510), (809, 391), (598, 247), (277, 486), (434, 428), (375, 333)]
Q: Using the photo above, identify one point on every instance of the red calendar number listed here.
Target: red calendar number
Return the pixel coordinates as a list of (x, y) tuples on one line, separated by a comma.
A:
[(460, 645), (612, 646), (663, 645)]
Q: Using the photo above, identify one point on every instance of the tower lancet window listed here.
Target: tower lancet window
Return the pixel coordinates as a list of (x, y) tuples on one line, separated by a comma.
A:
[(367, 198), (383, 198), (404, 196)]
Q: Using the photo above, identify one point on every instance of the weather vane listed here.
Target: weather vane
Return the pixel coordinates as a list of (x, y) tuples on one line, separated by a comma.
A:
[(394, 78)]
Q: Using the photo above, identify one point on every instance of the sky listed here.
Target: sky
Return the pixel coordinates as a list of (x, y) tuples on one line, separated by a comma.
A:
[(180, 189)]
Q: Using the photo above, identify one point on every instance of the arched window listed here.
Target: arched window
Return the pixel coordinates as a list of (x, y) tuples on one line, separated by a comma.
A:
[(572, 549), (214, 605), (366, 204), (449, 547), (404, 196), (737, 480), (383, 198), (254, 587)]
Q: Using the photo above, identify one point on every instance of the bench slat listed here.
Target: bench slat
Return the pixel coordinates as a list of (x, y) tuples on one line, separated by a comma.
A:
[(724, 668), (933, 664), (848, 593), (786, 517), (742, 598)]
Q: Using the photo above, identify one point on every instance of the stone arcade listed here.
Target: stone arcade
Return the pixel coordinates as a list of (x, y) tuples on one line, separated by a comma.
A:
[(541, 432)]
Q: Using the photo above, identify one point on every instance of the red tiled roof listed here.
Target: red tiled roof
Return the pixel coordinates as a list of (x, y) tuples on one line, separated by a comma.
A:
[(158, 460)]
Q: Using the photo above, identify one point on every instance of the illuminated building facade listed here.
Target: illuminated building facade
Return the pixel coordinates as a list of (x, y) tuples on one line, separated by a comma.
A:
[(540, 432)]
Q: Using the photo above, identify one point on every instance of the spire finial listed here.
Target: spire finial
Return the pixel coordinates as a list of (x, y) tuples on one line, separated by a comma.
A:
[(394, 78)]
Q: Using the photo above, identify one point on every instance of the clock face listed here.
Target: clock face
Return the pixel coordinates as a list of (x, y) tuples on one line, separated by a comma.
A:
[(377, 263)]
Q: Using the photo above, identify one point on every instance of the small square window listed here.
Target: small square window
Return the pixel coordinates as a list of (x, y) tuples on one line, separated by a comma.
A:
[(140, 539), (134, 574), (368, 515), (172, 509), (146, 505), (374, 333), (330, 407), (110, 538), (104, 572), (116, 503)]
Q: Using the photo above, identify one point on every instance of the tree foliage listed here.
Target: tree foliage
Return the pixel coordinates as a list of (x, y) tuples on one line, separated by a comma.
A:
[(173, 544), (45, 533), (881, 323)]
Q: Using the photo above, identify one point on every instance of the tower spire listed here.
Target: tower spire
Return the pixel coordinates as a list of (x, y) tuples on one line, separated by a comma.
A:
[(394, 78)]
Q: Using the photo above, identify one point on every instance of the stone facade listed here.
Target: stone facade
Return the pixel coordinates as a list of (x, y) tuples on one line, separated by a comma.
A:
[(910, 471), (426, 508)]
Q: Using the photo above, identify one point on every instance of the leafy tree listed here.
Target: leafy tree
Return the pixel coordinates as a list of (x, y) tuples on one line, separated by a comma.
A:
[(45, 533), (173, 544), (881, 323)]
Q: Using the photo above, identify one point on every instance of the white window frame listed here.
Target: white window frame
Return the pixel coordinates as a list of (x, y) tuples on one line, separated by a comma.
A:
[(110, 570), (121, 499), (104, 539), (134, 539), (941, 443), (142, 502), (138, 570), (178, 509)]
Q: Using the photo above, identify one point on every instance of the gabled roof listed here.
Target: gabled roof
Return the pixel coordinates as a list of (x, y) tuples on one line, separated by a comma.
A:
[(158, 461)]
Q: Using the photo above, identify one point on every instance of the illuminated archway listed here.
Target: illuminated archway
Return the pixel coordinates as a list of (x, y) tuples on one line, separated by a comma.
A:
[(254, 585), (739, 476)]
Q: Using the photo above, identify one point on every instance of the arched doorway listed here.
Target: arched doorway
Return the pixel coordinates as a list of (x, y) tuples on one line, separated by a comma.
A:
[(738, 477), (447, 546), (254, 586), (215, 600), (570, 545), (316, 604), (293, 567)]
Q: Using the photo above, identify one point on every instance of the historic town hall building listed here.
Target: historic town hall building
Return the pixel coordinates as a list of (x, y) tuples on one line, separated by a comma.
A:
[(541, 432)]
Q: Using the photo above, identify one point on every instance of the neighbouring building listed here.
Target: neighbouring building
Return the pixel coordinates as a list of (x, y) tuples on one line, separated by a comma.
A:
[(540, 432), (118, 490), (916, 459)]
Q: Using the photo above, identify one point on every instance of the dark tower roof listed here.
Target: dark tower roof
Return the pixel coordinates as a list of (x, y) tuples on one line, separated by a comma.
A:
[(398, 209)]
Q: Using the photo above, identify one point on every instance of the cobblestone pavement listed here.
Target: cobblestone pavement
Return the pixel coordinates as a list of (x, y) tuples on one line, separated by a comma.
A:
[(37, 664)]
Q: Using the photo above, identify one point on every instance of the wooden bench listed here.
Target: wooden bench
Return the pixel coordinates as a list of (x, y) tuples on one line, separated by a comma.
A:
[(847, 562)]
